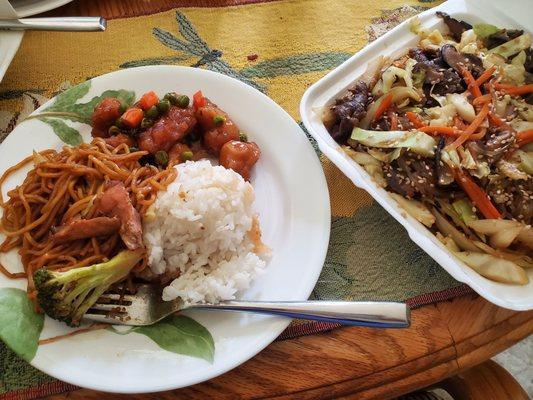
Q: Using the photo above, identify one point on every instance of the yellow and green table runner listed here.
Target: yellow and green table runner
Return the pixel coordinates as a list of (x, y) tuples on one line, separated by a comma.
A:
[(370, 256)]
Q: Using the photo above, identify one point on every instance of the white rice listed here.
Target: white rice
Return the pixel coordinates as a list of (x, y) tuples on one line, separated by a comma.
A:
[(200, 226)]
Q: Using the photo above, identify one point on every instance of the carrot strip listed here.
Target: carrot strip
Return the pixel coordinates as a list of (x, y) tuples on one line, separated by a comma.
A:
[(471, 82), (486, 98), (478, 135), (471, 128), (485, 76), (495, 120), (414, 119), (520, 90), (524, 137), (383, 106), (516, 90), (499, 86), (477, 195), (459, 123), (441, 130)]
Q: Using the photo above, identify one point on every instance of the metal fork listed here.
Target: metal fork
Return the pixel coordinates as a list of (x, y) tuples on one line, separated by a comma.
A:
[(146, 307)]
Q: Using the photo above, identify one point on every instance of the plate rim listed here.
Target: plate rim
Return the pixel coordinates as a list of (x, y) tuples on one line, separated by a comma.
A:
[(41, 7), (277, 324)]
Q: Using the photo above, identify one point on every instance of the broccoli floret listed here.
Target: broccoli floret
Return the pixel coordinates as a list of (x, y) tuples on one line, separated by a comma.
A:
[(67, 295)]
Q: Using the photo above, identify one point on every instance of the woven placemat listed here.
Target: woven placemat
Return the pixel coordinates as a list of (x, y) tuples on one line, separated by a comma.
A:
[(293, 43)]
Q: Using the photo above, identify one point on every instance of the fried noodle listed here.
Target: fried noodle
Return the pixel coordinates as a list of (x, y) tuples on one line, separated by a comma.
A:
[(61, 187)]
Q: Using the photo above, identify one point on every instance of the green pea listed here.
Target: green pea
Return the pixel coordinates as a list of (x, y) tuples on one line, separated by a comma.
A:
[(151, 112), (183, 101), (161, 158), (114, 130), (219, 120), (187, 155), (243, 137), (163, 106), (146, 123), (172, 98)]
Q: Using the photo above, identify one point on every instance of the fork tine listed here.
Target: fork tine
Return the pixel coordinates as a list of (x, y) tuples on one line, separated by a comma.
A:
[(115, 297), (109, 307), (105, 318)]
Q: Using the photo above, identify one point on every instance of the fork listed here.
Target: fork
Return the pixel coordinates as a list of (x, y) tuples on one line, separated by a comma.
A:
[(146, 307)]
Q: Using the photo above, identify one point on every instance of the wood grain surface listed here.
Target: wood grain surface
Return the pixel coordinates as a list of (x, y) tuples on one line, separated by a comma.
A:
[(363, 363), (487, 381), (356, 363)]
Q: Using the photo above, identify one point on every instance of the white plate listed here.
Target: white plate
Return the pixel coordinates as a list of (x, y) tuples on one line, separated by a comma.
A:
[(9, 44), (25, 8), (293, 204), (395, 43)]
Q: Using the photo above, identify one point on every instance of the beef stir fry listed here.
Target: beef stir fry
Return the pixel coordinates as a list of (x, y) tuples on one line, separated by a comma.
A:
[(448, 129), (172, 131)]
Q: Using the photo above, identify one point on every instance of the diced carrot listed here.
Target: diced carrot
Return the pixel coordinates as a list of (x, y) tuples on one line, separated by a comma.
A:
[(383, 106), (486, 98), (393, 118), (485, 76), (471, 128), (132, 117), (441, 130), (148, 100), (471, 82), (415, 120), (524, 137), (199, 100), (477, 195)]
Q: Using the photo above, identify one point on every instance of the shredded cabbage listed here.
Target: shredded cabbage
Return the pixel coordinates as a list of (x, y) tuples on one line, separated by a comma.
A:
[(372, 166), (399, 94), (441, 116), (512, 47), (415, 209), (391, 74), (494, 268), (512, 73), (526, 161), (463, 107), (385, 157), (468, 43), (511, 170), (485, 30), (418, 142)]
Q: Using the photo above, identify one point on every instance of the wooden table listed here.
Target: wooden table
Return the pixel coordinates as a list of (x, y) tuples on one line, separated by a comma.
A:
[(360, 363)]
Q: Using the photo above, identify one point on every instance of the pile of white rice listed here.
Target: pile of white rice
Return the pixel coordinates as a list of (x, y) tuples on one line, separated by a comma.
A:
[(200, 226)]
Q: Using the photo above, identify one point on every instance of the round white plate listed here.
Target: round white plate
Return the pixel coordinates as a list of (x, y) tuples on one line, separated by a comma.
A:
[(25, 8), (293, 205)]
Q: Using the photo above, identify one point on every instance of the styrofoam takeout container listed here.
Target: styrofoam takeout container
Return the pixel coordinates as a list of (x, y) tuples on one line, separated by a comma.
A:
[(504, 14)]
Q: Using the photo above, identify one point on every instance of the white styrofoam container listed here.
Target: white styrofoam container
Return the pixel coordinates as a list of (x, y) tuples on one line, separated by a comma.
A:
[(512, 13)]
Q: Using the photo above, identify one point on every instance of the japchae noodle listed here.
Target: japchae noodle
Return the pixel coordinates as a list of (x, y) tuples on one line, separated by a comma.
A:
[(61, 188)]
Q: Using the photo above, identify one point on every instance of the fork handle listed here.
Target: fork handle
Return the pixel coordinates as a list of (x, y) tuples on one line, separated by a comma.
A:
[(79, 24), (358, 313)]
